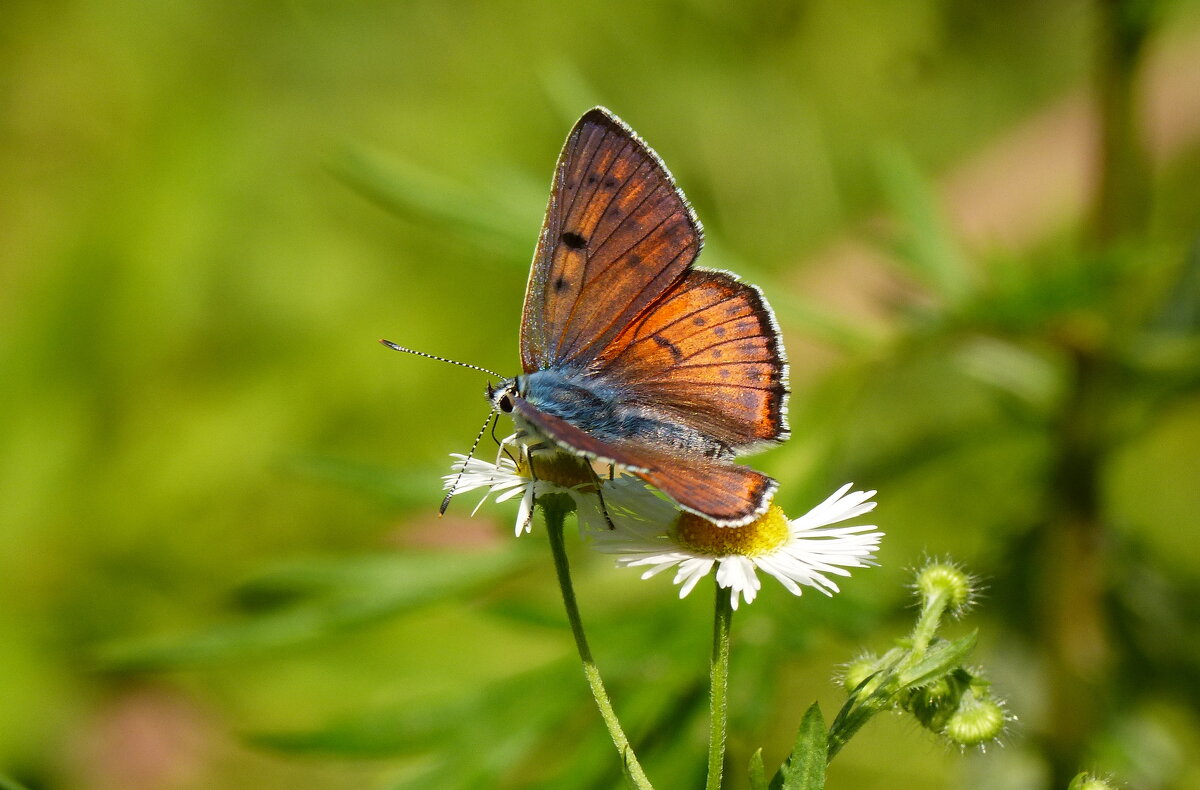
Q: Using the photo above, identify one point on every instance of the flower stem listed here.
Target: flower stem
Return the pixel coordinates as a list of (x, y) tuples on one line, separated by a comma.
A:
[(718, 686), (556, 516), (879, 692), (927, 625)]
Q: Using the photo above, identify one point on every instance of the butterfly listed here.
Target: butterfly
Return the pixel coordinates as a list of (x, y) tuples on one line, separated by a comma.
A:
[(632, 356)]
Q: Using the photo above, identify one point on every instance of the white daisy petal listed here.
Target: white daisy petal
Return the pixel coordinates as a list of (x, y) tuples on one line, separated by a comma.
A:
[(505, 480), (525, 512), (509, 493), (802, 552), (657, 569), (776, 569), (691, 571)]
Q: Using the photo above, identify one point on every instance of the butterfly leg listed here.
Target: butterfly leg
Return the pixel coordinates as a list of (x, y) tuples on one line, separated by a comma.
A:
[(600, 494), (527, 451)]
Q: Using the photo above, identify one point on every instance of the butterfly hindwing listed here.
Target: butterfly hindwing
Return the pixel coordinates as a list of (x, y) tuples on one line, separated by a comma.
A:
[(726, 493), (617, 235), (707, 355)]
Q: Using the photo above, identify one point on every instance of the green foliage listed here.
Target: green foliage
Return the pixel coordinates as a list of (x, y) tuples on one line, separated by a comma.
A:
[(192, 395), (924, 242), (305, 602), (805, 768), (924, 674)]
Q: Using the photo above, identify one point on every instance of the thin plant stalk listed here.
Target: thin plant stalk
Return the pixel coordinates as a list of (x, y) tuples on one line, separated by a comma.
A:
[(718, 687), (927, 625), (556, 514)]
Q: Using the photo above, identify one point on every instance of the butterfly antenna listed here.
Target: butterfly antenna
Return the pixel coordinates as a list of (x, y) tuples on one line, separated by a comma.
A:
[(396, 347), (491, 418)]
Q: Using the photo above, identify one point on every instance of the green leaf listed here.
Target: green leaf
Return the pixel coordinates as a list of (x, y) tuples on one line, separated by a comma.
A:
[(10, 784), (408, 190), (418, 574), (335, 596), (941, 658), (819, 322), (1179, 311), (395, 487), (473, 738), (925, 245), (413, 729), (805, 767), (758, 773)]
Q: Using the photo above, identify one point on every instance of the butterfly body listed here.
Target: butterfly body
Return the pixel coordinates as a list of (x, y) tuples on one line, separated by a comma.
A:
[(632, 356), (607, 410)]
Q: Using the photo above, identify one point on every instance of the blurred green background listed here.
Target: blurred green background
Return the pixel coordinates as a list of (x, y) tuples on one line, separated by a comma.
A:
[(220, 562)]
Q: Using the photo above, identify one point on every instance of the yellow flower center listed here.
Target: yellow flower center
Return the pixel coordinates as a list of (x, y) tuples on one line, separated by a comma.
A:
[(762, 536), (561, 469)]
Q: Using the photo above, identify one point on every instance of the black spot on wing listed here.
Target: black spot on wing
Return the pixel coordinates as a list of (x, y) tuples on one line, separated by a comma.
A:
[(669, 346), (573, 240)]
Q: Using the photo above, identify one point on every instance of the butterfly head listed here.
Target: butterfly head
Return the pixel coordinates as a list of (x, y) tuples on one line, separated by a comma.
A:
[(501, 396)]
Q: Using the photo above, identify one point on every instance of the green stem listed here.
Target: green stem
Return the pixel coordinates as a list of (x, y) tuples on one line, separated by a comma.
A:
[(1121, 196), (864, 702), (927, 626), (872, 698), (556, 516), (719, 684)]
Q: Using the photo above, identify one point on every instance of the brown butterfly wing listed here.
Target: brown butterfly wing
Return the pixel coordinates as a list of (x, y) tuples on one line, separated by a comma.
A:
[(728, 494), (617, 235), (708, 355), (723, 492)]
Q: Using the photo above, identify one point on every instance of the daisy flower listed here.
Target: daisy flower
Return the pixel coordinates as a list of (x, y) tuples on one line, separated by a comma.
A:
[(797, 552), (507, 479)]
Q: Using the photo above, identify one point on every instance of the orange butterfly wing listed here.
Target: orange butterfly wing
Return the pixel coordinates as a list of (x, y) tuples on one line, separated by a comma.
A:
[(707, 355), (617, 235)]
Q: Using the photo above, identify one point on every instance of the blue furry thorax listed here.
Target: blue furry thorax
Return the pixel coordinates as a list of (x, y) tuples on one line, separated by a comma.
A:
[(607, 410)]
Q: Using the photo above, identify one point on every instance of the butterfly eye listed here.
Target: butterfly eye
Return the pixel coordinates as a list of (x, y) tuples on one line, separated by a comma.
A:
[(506, 404)]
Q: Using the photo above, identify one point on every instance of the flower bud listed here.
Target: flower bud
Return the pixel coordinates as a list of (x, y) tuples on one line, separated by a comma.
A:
[(935, 703), (857, 671), (945, 579), (977, 721), (1086, 781)]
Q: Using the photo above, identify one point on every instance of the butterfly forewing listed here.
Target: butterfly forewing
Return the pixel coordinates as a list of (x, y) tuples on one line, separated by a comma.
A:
[(617, 235), (707, 354)]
